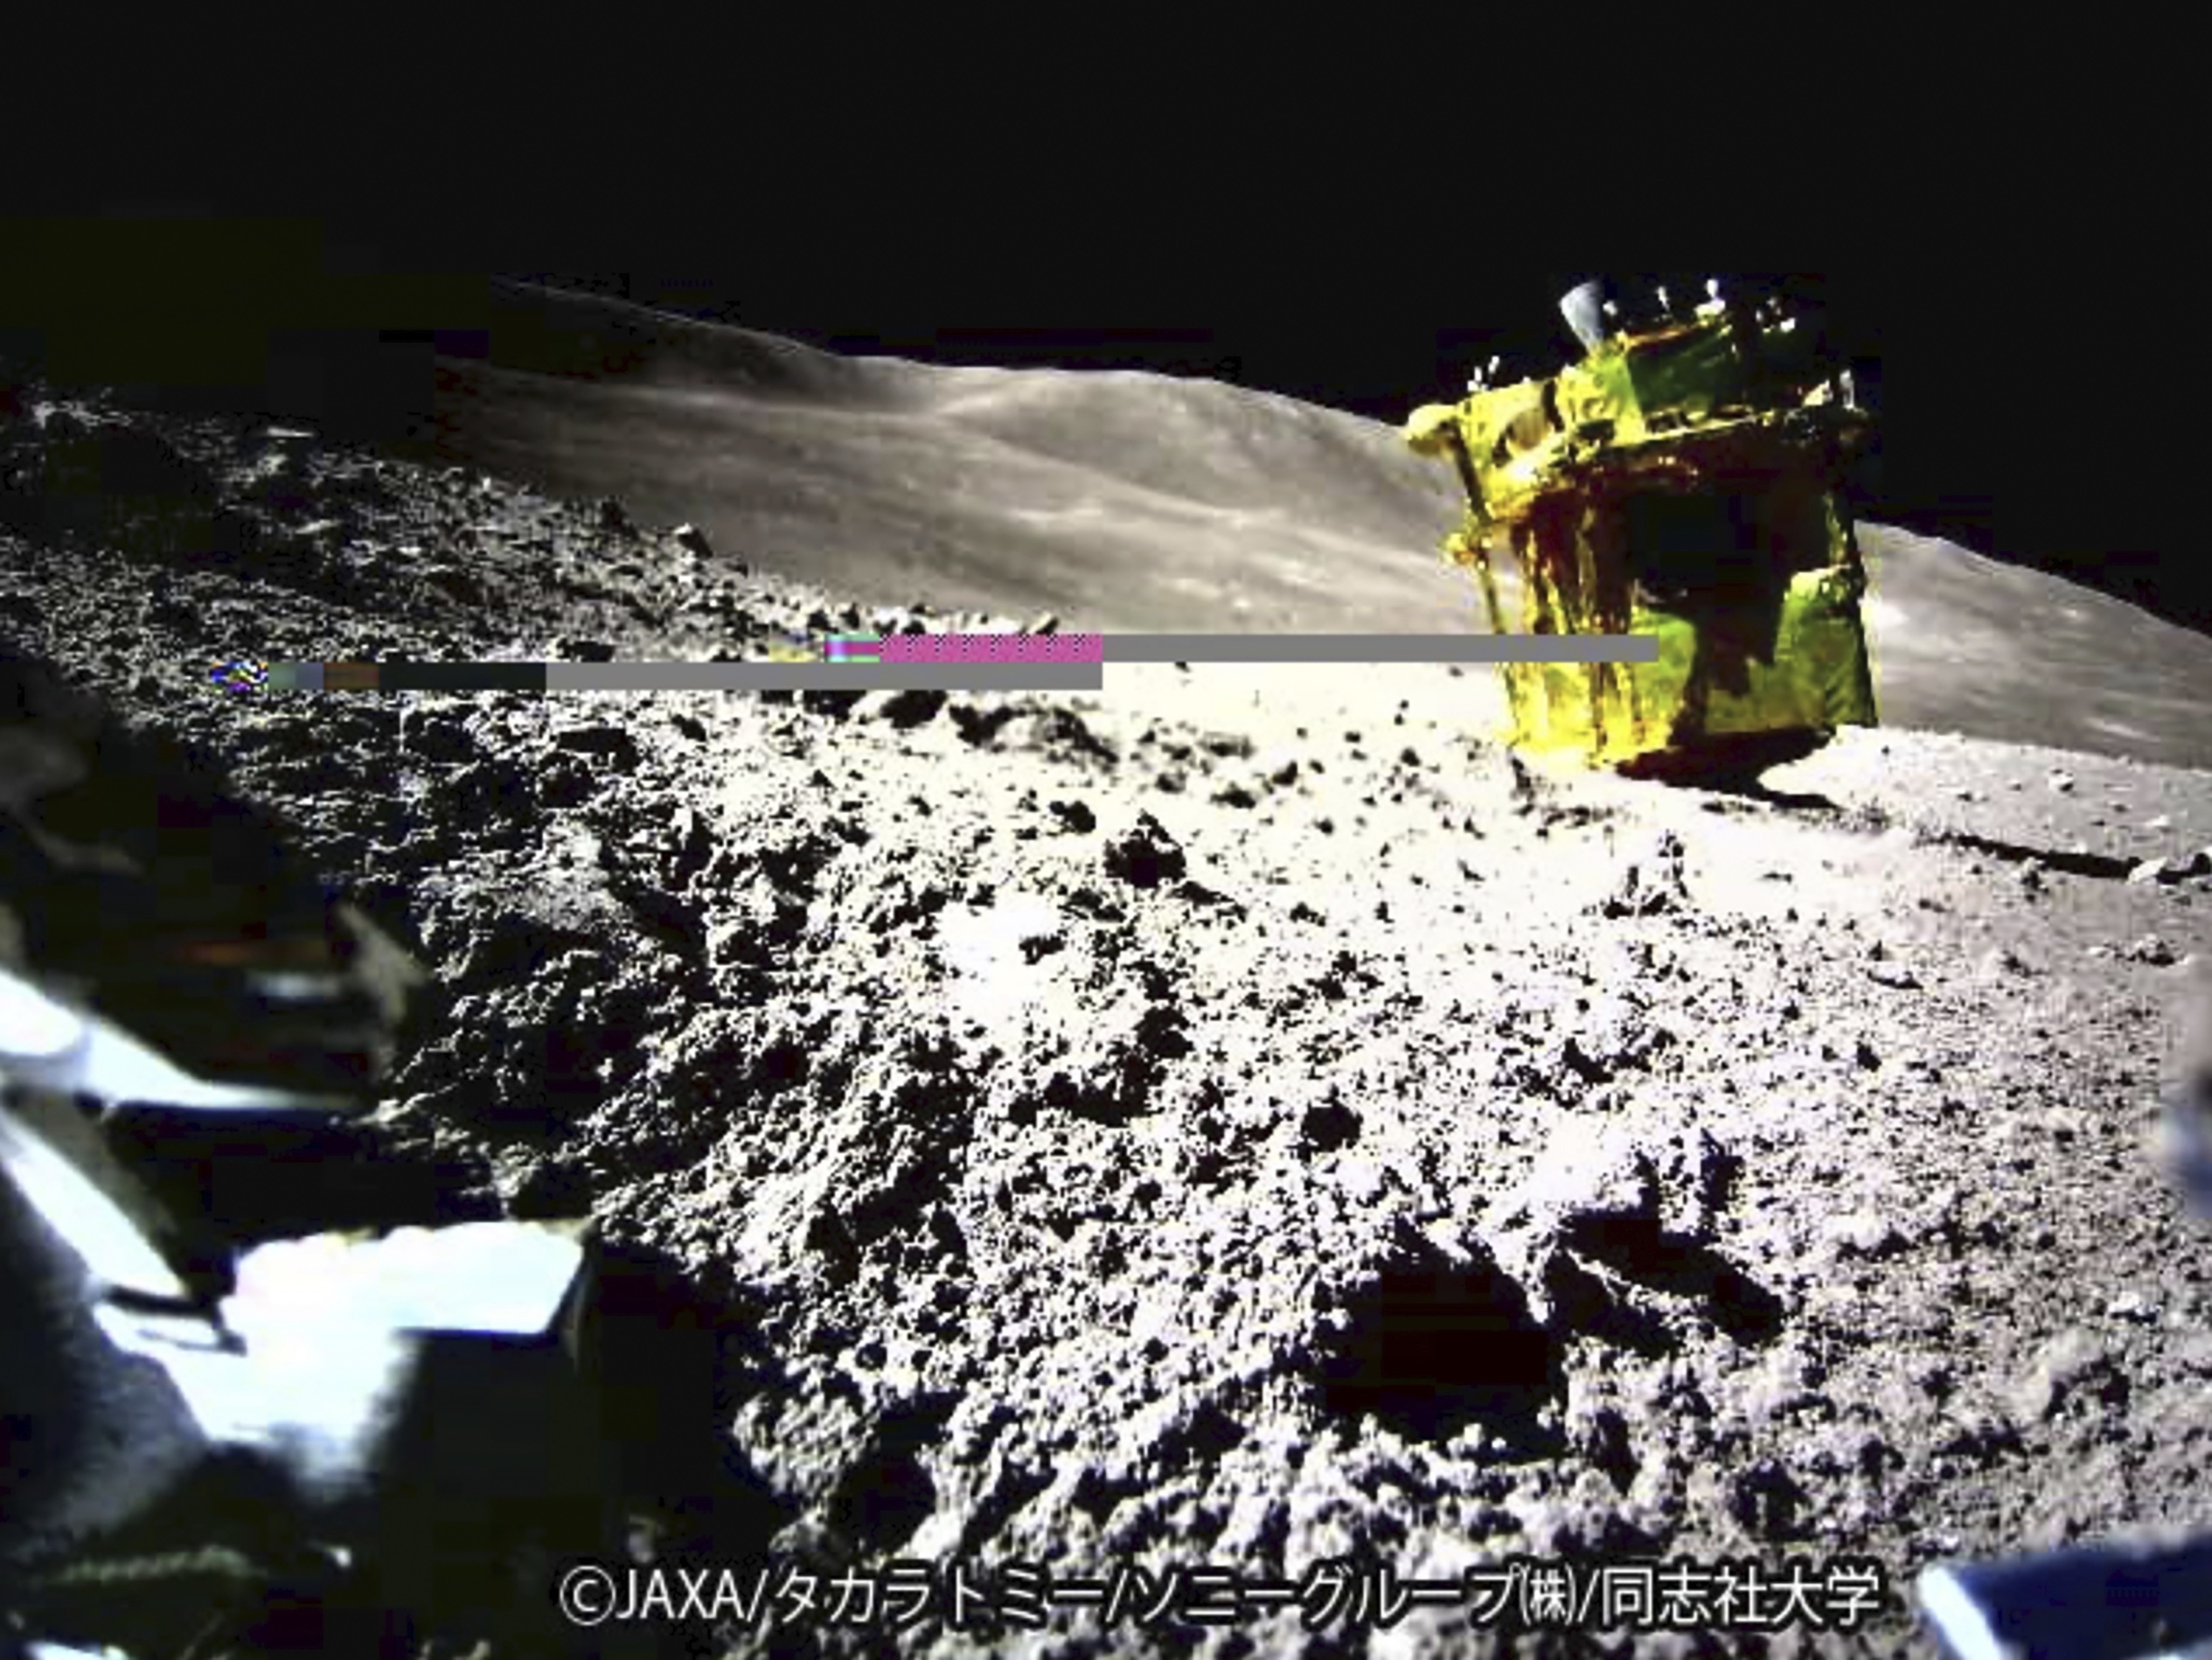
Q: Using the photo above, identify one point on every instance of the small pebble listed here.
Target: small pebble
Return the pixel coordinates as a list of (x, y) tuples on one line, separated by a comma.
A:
[(1861, 1232)]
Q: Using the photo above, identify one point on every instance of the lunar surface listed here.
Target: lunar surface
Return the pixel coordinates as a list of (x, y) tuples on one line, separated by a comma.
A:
[(1241, 1118), (1123, 502)]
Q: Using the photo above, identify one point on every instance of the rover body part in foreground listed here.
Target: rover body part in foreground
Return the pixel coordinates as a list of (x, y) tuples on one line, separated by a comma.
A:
[(206, 1435)]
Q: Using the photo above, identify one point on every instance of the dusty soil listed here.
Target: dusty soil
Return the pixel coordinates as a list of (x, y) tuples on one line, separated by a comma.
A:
[(1215, 1120)]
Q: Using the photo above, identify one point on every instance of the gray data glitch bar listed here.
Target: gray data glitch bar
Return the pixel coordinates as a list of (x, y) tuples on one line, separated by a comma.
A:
[(823, 677), (1381, 648)]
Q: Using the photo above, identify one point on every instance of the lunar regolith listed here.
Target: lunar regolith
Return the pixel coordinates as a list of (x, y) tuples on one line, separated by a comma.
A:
[(1241, 1116)]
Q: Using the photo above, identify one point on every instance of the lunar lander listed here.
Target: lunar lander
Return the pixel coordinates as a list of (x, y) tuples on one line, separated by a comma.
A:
[(1683, 482)]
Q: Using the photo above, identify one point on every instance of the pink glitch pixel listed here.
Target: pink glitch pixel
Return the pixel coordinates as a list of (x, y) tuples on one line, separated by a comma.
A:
[(994, 648)]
